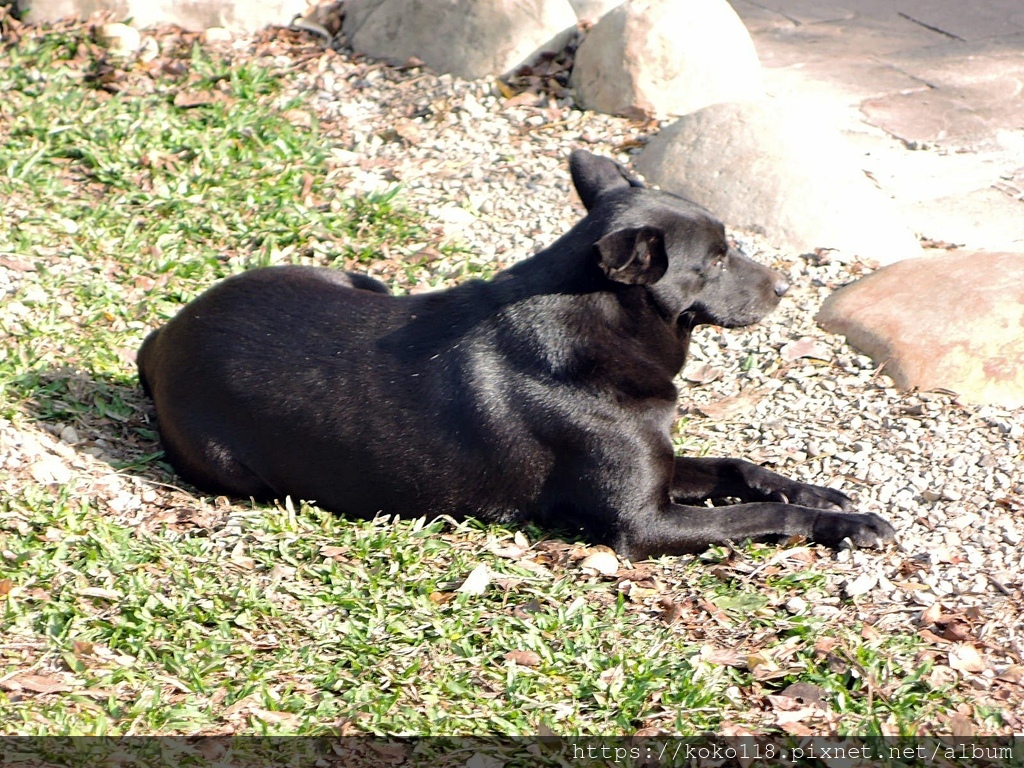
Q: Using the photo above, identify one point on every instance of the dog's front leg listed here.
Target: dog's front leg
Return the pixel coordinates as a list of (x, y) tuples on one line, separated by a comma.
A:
[(682, 529), (695, 480)]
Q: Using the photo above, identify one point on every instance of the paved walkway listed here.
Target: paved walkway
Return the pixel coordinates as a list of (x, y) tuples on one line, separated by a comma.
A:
[(930, 91)]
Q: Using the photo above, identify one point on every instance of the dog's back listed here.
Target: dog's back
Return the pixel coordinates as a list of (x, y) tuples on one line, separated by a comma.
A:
[(289, 381)]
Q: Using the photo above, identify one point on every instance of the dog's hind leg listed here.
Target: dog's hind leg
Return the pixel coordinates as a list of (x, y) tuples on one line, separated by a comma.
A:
[(213, 467), (365, 283)]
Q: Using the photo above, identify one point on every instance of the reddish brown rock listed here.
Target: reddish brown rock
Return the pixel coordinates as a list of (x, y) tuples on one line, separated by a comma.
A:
[(952, 322)]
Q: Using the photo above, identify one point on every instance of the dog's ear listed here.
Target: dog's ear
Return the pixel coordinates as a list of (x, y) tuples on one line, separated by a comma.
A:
[(593, 176), (634, 256)]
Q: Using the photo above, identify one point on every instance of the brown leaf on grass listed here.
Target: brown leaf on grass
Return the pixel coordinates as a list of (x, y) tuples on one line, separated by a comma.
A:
[(961, 725), (824, 645), (6, 585), (966, 658), (795, 727), (477, 581), (725, 657), (801, 695), (931, 614), (716, 613), (1013, 674), (601, 560), (671, 611), (523, 658), (36, 684), (931, 637), (192, 99)]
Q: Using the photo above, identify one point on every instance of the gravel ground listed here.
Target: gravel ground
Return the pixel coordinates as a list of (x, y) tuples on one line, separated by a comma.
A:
[(493, 173)]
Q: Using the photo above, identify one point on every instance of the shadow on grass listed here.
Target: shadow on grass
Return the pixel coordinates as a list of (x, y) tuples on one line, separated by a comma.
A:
[(113, 420), (107, 417)]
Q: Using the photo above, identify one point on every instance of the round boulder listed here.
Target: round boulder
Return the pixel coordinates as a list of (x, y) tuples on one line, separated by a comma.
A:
[(466, 38), (952, 322), (659, 58), (766, 166)]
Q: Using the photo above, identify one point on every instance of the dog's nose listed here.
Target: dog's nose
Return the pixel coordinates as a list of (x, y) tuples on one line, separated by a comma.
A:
[(781, 286)]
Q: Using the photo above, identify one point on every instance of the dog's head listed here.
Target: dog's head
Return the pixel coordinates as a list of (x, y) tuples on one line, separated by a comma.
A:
[(674, 247)]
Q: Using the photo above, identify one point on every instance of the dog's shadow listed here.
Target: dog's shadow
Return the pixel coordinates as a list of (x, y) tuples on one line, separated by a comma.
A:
[(112, 421), (106, 417)]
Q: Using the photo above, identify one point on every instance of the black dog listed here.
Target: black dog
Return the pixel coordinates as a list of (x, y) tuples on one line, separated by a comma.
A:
[(544, 394)]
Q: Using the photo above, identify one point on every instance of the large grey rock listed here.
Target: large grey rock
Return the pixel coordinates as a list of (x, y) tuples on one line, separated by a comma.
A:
[(952, 322), (467, 38), (765, 166), (665, 57), (195, 15)]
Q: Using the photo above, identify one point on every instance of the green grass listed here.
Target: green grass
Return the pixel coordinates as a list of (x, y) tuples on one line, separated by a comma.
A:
[(184, 614)]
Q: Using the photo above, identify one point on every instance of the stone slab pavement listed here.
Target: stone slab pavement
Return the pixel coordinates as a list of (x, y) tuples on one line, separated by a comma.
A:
[(931, 92)]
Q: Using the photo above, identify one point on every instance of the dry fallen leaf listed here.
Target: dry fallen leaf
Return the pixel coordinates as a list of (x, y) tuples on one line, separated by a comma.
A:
[(725, 657), (36, 684), (523, 658), (509, 553), (101, 593), (704, 373), (961, 725), (860, 585), (733, 407), (1014, 674), (931, 614), (601, 560), (670, 610), (966, 658), (477, 581), (805, 347), (796, 728), (804, 694)]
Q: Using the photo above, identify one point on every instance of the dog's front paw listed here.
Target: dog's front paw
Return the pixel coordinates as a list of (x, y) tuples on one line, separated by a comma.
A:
[(863, 530), (814, 496)]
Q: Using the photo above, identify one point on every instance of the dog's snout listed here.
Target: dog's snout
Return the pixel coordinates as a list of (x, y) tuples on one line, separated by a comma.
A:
[(781, 286)]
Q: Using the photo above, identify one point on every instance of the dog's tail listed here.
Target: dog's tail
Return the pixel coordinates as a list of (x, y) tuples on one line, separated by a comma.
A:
[(142, 358)]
